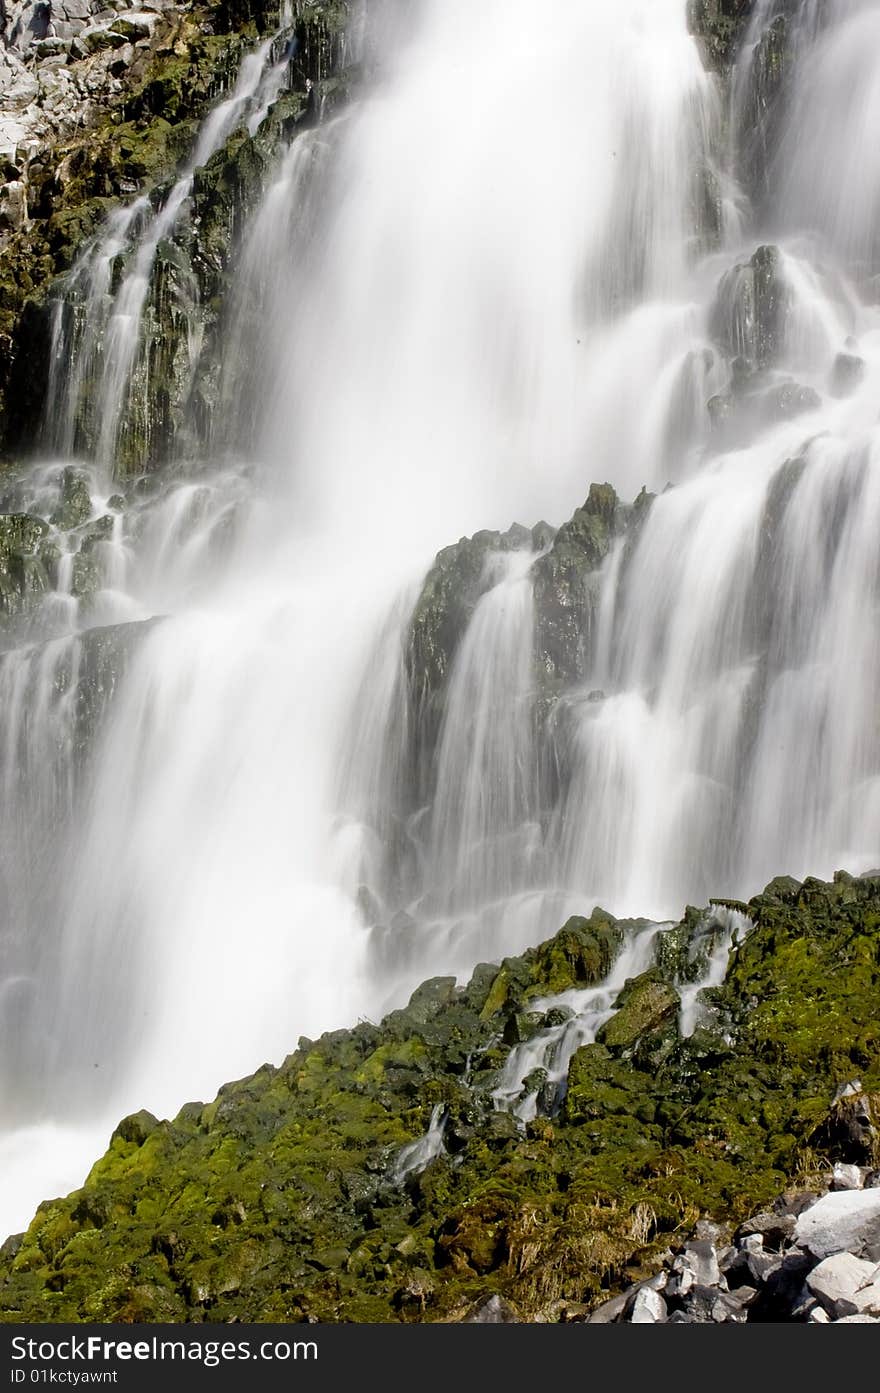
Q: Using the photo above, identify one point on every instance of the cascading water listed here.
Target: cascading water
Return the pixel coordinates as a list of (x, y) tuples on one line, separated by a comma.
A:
[(493, 279), (98, 325), (551, 1049)]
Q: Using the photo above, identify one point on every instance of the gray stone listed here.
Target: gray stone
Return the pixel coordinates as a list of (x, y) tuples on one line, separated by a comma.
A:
[(867, 1298), (846, 1177), (836, 1281), (610, 1311), (100, 36), (134, 25), (13, 206), (730, 1308), (649, 1308), (494, 1311), (773, 1229), (701, 1261), (843, 1220)]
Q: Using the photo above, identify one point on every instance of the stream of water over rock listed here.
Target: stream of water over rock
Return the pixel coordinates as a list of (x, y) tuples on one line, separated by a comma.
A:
[(525, 258)]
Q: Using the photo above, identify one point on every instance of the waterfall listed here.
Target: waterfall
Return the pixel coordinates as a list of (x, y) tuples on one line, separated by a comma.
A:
[(526, 257), (97, 330), (583, 1012)]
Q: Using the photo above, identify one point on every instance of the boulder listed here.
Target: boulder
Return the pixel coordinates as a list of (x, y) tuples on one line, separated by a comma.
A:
[(649, 1308), (846, 1220), (645, 1004), (134, 25), (100, 36), (849, 1132), (867, 1298), (75, 506), (846, 1177), (837, 1280), (773, 1229), (749, 316), (610, 1311), (701, 1261)]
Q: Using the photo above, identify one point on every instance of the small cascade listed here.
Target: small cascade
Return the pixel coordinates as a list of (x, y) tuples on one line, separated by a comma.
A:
[(418, 1155), (486, 775), (97, 332), (535, 1075), (721, 930), (581, 1013)]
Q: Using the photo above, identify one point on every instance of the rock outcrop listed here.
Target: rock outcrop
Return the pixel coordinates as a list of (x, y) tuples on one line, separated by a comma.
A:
[(283, 1199), (102, 104)]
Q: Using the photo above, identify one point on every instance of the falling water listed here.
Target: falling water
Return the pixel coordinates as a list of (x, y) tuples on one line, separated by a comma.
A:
[(97, 325), (584, 1011), (492, 280)]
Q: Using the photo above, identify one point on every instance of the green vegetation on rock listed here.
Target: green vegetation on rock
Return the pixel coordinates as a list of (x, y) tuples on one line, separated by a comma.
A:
[(278, 1201)]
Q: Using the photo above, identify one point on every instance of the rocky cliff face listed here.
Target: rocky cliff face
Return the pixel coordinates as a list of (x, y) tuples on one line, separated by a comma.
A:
[(374, 1176), (101, 103)]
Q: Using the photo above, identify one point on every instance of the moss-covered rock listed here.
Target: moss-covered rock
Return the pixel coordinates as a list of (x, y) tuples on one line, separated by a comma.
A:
[(749, 317), (23, 577), (135, 142), (646, 1004), (719, 26), (278, 1200)]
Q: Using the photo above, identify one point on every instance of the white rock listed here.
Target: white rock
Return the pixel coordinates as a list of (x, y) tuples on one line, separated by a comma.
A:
[(13, 205), (845, 1220), (700, 1258), (846, 1177), (836, 1281), (859, 1320), (649, 1308), (867, 1298), (818, 1316)]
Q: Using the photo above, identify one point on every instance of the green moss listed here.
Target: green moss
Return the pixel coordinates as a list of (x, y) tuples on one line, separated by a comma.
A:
[(277, 1200)]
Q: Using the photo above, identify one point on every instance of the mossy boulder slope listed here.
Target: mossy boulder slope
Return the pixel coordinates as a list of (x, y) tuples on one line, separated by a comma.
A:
[(282, 1198)]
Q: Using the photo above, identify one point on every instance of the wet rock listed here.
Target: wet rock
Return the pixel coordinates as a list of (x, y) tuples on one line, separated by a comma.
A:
[(788, 400), (23, 578), (719, 26), (566, 592), (847, 374), (749, 317), (75, 506), (645, 1004)]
